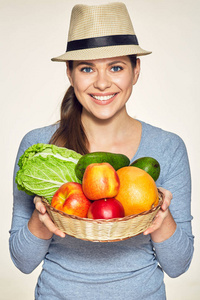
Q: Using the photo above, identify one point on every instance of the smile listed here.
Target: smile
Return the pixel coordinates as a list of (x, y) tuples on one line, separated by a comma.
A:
[(103, 98)]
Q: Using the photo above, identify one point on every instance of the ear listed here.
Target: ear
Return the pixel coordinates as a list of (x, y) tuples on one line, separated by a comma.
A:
[(69, 75), (136, 71)]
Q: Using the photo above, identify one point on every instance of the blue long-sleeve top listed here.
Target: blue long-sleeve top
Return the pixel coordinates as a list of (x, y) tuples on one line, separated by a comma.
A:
[(129, 269)]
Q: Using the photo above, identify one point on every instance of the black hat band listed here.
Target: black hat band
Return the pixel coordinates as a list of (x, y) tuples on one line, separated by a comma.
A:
[(103, 41)]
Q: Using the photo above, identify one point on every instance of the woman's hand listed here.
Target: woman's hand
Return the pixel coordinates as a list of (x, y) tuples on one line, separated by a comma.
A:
[(40, 223), (163, 225)]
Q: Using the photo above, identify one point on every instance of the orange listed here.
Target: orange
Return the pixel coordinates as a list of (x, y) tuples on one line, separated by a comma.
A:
[(137, 192)]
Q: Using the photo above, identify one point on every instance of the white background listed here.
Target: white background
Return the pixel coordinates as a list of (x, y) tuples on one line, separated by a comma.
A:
[(167, 95)]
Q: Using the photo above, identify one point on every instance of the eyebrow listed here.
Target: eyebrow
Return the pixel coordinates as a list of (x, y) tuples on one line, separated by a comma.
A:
[(91, 64), (116, 62), (85, 63)]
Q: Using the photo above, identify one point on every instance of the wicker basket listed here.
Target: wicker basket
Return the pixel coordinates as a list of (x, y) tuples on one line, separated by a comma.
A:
[(111, 230)]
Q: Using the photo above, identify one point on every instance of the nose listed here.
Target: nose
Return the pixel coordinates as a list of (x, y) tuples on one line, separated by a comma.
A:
[(102, 81)]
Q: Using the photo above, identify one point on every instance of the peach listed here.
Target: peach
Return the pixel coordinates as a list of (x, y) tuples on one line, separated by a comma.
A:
[(100, 180)]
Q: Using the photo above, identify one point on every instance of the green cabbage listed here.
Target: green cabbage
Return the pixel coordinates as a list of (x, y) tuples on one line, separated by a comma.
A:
[(44, 168)]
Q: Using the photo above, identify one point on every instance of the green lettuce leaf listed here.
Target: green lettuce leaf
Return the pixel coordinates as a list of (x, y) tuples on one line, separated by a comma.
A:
[(44, 168)]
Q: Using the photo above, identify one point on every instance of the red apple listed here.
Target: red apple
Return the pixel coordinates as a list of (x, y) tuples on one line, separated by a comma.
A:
[(70, 199), (106, 209), (100, 180)]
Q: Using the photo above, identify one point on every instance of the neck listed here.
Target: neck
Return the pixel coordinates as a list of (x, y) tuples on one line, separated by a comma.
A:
[(105, 135)]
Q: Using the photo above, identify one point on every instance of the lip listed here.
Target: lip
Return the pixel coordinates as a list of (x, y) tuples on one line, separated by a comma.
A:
[(101, 101)]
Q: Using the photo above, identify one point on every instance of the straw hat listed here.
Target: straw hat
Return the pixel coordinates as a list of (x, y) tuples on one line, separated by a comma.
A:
[(100, 31)]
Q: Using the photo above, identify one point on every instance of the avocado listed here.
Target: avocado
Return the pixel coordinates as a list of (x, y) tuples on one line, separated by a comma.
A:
[(116, 160), (148, 164)]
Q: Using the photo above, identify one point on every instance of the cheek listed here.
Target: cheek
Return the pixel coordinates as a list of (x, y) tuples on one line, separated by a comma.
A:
[(125, 82), (126, 87), (81, 84)]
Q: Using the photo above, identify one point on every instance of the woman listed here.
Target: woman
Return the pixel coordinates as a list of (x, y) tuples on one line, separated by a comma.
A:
[(102, 67)]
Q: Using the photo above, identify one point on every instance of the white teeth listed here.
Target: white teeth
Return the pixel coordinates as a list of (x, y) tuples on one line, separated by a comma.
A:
[(103, 98)]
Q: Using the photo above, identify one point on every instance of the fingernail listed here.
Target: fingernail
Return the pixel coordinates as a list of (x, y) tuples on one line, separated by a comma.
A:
[(164, 207), (42, 210)]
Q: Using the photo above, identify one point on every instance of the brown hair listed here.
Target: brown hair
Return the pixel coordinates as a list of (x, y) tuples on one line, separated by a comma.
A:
[(71, 133)]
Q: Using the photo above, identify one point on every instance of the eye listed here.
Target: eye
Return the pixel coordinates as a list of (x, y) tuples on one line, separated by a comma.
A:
[(116, 68), (86, 70)]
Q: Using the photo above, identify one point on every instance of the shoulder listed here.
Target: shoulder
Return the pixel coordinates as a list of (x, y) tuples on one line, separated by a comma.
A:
[(160, 138), (169, 149), (35, 136), (165, 146), (39, 135)]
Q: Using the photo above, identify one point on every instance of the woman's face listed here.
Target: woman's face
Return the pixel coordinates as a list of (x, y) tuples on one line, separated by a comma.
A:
[(103, 86)]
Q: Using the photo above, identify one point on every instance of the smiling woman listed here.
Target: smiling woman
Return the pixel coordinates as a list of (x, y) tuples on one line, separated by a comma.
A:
[(103, 65), (104, 85)]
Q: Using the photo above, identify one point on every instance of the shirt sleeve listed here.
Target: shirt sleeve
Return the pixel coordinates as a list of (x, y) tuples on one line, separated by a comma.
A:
[(175, 254), (26, 250)]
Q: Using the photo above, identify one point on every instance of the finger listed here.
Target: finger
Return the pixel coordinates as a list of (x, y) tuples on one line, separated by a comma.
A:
[(37, 199), (39, 205), (153, 227), (165, 192), (156, 223), (46, 220), (167, 197)]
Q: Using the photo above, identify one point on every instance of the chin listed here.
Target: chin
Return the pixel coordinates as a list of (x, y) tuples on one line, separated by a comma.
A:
[(106, 114), (104, 117), (103, 114)]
